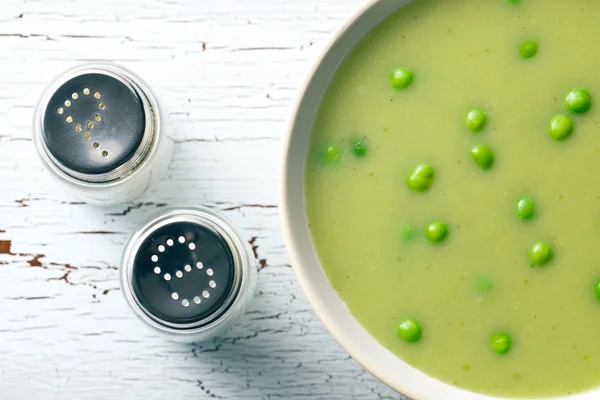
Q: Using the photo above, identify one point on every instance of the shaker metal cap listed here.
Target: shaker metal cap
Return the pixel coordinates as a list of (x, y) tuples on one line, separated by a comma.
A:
[(183, 272), (183, 269), (96, 124)]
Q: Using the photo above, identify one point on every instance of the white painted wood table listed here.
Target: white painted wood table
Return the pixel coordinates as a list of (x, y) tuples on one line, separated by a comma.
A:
[(227, 70)]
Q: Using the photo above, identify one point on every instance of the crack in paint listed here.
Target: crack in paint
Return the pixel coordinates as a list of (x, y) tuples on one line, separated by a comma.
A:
[(136, 206), (65, 278), (100, 233), (262, 262), (249, 206), (31, 298), (254, 246), (34, 260)]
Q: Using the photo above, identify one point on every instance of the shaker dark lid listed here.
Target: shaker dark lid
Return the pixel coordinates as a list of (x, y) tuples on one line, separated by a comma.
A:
[(183, 273), (94, 123)]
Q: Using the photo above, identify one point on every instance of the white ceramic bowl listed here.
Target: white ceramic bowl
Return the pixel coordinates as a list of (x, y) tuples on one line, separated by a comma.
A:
[(329, 307)]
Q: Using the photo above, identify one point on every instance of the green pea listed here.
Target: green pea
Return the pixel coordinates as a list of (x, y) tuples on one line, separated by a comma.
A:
[(560, 127), (540, 253), (578, 101), (409, 330), (332, 154), (359, 148), (597, 290), (501, 343), (408, 232), (401, 78), (483, 156), (436, 232), (484, 285), (421, 178), (476, 120), (528, 49), (525, 208)]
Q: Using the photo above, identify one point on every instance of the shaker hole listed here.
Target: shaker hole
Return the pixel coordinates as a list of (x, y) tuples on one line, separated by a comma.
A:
[(161, 248), (75, 96), (105, 154), (209, 272), (167, 277), (212, 284), (185, 303), (205, 294), (175, 296), (188, 268), (154, 258), (192, 246), (96, 145), (170, 242), (157, 270), (197, 300), (179, 274), (199, 265), (86, 91)]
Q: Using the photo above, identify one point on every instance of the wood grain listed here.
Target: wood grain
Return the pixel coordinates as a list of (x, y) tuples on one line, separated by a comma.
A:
[(227, 71)]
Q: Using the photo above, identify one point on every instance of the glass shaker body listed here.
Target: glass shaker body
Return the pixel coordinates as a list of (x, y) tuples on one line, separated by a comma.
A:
[(99, 130), (188, 274)]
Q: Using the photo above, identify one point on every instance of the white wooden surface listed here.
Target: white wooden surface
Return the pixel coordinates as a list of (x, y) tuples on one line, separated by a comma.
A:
[(227, 70)]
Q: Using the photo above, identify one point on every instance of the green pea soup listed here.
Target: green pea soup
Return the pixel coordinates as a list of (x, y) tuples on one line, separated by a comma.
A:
[(452, 193)]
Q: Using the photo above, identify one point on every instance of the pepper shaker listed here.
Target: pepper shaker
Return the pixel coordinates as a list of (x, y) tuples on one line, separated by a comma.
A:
[(188, 274), (99, 130)]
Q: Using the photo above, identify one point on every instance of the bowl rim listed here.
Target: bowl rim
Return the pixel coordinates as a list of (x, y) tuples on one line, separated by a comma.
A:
[(320, 308), (284, 210)]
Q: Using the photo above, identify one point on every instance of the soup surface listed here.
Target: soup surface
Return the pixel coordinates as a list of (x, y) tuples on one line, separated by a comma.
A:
[(504, 299)]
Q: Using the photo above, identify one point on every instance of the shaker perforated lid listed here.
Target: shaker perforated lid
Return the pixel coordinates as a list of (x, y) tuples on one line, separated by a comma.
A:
[(97, 124), (183, 269), (183, 272)]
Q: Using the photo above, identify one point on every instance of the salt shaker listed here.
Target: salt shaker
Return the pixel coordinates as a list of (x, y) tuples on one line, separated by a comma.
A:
[(99, 130), (188, 274)]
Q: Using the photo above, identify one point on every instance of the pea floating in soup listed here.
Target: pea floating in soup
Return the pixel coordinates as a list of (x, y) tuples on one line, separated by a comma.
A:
[(452, 194), (476, 120)]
